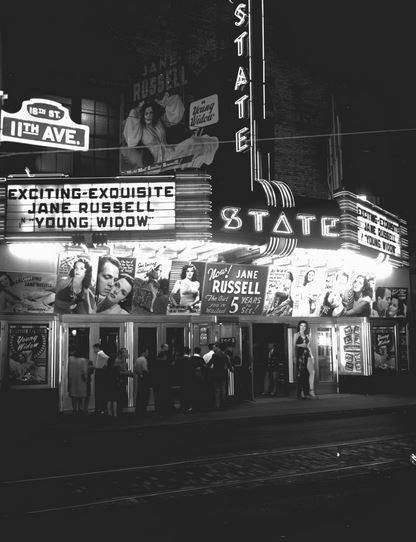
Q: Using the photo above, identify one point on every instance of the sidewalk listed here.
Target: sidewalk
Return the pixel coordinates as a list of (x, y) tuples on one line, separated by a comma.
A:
[(278, 409)]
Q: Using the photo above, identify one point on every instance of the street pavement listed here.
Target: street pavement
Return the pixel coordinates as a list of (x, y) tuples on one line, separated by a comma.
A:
[(262, 409)]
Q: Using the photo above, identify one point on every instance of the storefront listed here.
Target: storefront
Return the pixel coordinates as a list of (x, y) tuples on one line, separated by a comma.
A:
[(182, 282)]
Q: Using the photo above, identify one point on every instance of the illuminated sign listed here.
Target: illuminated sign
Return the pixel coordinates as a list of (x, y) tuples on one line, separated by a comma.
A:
[(254, 225), (243, 76), (99, 207), (378, 231), (203, 112), (44, 123)]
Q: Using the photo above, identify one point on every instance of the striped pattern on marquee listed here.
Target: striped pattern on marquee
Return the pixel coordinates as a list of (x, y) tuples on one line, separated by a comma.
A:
[(277, 190), (278, 246)]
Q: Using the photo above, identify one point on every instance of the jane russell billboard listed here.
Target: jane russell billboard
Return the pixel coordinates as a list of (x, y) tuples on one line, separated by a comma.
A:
[(89, 283)]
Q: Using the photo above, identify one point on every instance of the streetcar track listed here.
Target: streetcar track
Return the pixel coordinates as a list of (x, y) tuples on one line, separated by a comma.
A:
[(147, 483), (200, 489), (212, 459)]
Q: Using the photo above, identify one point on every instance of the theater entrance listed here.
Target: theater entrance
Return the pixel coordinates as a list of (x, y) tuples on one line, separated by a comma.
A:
[(265, 383)]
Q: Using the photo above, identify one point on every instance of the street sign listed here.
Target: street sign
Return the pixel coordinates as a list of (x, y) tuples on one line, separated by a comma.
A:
[(44, 123)]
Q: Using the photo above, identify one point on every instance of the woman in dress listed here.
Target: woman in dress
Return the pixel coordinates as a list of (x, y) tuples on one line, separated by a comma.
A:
[(146, 124), (305, 364), (75, 296), (188, 289)]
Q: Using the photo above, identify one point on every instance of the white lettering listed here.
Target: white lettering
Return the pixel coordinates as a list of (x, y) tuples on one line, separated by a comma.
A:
[(327, 223), (258, 218), (306, 222), (240, 140)]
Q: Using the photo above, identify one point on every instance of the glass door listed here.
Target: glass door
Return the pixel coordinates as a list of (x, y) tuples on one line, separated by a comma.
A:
[(75, 339), (326, 374)]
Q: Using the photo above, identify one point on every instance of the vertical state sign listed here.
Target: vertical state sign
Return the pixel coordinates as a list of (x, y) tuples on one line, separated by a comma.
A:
[(233, 289)]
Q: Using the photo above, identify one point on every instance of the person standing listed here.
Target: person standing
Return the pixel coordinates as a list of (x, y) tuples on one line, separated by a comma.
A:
[(209, 385), (186, 379), (271, 368), (160, 381), (121, 361), (141, 370), (220, 364), (112, 386), (302, 355), (101, 360), (77, 380), (199, 390)]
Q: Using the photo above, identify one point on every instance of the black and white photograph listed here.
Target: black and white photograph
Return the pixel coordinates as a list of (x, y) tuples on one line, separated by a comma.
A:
[(207, 270)]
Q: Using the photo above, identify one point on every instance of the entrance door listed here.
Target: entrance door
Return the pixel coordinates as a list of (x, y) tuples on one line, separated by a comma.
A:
[(77, 338), (263, 336), (110, 340), (145, 336), (326, 377)]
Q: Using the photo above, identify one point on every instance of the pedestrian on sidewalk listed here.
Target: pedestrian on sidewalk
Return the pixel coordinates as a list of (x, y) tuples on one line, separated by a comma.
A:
[(302, 354), (185, 373), (271, 368), (125, 374), (141, 370), (101, 359), (112, 380), (77, 380), (220, 365), (200, 397)]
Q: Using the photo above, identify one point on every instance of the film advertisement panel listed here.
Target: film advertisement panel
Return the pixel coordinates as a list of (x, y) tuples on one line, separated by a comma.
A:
[(168, 125), (27, 292), (233, 289), (384, 349), (389, 302), (185, 286), (75, 284), (151, 286), (350, 349), (28, 354), (278, 298), (309, 284)]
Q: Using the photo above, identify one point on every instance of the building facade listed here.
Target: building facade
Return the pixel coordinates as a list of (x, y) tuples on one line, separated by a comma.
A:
[(196, 216)]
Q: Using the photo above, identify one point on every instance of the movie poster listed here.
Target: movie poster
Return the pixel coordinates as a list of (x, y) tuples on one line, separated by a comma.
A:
[(27, 292), (309, 285), (75, 284), (384, 349), (233, 289), (166, 128), (185, 287), (350, 350), (279, 294), (398, 303), (151, 286), (115, 285), (28, 354)]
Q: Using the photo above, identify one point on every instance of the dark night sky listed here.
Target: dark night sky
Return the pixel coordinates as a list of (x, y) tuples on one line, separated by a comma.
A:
[(365, 48)]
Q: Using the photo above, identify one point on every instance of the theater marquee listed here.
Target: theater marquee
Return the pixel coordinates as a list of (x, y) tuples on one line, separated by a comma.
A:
[(131, 208)]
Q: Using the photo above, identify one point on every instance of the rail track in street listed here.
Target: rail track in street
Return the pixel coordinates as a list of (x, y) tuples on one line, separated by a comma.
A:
[(149, 484)]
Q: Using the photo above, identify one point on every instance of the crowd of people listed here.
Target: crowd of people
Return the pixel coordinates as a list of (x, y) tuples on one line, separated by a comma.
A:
[(203, 381)]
